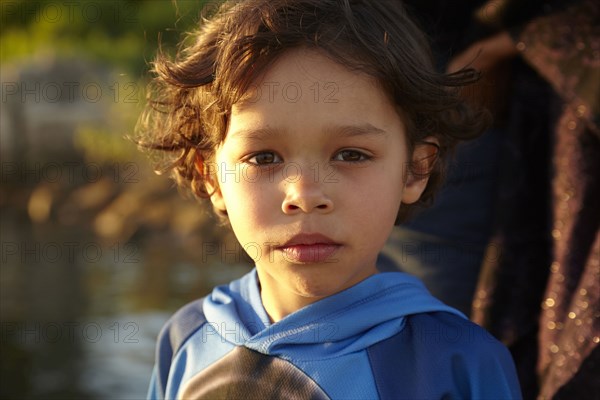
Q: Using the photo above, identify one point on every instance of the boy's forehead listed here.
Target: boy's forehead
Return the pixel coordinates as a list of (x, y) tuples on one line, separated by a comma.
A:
[(304, 90), (313, 65), (311, 69)]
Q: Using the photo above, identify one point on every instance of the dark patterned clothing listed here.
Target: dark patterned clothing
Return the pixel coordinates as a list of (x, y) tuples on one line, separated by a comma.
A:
[(542, 296)]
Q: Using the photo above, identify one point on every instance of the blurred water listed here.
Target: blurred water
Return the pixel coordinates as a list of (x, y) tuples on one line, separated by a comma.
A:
[(96, 252), (120, 362), (79, 317)]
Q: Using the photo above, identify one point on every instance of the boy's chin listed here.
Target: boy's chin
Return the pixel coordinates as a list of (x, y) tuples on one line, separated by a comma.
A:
[(319, 280)]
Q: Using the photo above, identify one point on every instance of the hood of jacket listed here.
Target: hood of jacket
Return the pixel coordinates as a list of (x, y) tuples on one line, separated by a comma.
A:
[(349, 321)]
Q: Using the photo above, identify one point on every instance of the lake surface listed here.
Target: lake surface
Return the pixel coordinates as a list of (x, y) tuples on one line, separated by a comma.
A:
[(79, 315)]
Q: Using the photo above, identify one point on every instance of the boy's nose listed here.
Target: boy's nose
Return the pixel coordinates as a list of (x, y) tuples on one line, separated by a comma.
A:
[(306, 196)]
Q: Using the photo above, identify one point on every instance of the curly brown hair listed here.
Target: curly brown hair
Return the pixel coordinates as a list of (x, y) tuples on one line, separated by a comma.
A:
[(190, 97)]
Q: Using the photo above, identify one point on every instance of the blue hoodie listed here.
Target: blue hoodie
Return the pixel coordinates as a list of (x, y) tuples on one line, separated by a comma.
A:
[(385, 338)]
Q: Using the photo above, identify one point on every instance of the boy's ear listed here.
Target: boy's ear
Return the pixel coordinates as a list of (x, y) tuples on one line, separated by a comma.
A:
[(210, 182), (424, 157)]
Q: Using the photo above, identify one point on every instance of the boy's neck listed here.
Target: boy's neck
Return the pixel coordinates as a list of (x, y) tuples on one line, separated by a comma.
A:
[(277, 310), (276, 307), (279, 301)]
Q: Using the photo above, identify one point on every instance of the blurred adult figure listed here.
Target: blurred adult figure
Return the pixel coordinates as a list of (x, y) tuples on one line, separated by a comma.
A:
[(538, 278)]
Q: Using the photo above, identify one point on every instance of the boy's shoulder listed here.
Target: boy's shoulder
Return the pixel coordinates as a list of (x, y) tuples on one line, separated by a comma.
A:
[(436, 343), (176, 331), (443, 335), (440, 329), (182, 325)]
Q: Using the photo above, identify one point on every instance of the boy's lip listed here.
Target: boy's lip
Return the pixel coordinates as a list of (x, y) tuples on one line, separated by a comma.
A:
[(309, 248), (309, 239)]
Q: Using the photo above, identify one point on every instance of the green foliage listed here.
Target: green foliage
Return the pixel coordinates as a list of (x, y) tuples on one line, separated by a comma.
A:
[(119, 36), (118, 33)]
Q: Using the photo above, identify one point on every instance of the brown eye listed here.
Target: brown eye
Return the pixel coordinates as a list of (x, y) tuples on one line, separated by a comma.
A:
[(264, 158), (351, 156)]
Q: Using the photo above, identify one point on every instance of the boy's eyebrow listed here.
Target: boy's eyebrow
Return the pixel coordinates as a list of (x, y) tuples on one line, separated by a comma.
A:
[(333, 130), (355, 130), (254, 134)]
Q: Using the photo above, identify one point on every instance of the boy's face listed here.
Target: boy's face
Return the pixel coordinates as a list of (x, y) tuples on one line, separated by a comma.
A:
[(312, 173)]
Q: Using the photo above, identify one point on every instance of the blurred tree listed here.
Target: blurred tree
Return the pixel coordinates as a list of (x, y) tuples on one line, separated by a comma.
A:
[(124, 34)]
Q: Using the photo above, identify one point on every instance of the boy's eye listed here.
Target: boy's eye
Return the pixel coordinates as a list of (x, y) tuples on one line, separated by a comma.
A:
[(264, 158), (351, 156)]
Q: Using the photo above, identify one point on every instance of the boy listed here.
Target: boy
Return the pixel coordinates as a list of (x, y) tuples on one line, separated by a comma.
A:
[(312, 126)]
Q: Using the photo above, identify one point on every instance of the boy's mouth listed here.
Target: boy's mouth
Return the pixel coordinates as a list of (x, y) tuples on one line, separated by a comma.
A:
[(309, 248)]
